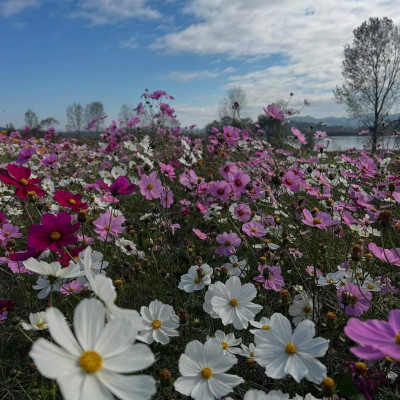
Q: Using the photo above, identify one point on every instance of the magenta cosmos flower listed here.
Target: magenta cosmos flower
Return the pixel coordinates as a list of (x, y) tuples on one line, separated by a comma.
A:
[(377, 338), (121, 186), (298, 135), (228, 242), (108, 225), (320, 221), (53, 233), (271, 277), (274, 112), (253, 229), (67, 199), (150, 186), (20, 177), (353, 299)]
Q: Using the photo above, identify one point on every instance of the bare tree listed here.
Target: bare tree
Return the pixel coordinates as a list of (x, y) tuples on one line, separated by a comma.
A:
[(31, 119), (48, 122), (125, 113), (371, 72), (233, 101), (95, 110), (75, 118)]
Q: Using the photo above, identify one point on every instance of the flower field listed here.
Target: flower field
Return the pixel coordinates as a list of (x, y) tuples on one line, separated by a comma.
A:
[(151, 263)]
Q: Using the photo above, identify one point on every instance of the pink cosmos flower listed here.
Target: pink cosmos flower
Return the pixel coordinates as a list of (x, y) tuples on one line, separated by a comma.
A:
[(271, 277), (253, 229), (201, 235), (165, 109), (221, 190), (121, 186), (8, 232), (228, 171), (365, 132), (377, 338), (20, 177), (320, 221), (168, 170), (229, 242), (291, 181), (53, 233), (231, 134), (242, 212), (320, 135), (353, 299), (274, 112), (239, 182), (298, 135), (108, 225), (167, 197), (391, 256), (72, 287), (150, 186)]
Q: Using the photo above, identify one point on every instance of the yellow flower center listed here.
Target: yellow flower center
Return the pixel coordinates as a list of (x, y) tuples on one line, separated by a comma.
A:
[(40, 325), (91, 361), (72, 201), (206, 373), (107, 228), (265, 327), (254, 230), (317, 221), (290, 348), (307, 309), (370, 286), (227, 243), (23, 181), (55, 235), (233, 302), (150, 186), (6, 234), (330, 280), (397, 338), (224, 345), (360, 368), (197, 280), (327, 383), (156, 324)]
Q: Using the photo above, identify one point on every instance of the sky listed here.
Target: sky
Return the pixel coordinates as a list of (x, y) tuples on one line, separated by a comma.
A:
[(57, 52)]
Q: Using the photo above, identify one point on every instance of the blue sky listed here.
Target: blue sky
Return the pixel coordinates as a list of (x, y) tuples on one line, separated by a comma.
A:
[(56, 52)]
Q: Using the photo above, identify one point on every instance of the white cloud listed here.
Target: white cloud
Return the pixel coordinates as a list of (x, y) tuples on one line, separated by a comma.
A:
[(201, 116), (185, 76), (13, 7), (308, 35), (102, 12)]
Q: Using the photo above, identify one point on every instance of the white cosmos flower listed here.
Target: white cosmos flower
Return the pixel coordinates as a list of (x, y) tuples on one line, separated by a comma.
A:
[(203, 370), (236, 267), (282, 352), (53, 270), (264, 324), (332, 278), (228, 342), (160, 323), (196, 278), (104, 289), (38, 322), (232, 302), (91, 364), (254, 394), (302, 308)]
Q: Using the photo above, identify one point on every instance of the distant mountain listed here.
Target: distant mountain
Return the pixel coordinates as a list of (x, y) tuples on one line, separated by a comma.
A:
[(329, 121)]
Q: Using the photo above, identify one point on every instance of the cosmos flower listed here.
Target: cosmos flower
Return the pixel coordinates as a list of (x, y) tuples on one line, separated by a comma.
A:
[(160, 323), (227, 341), (376, 338), (92, 364), (20, 177), (321, 220), (254, 229), (121, 186), (353, 299), (236, 267), (109, 225), (301, 308), (274, 112), (232, 302), (67, 199), (282, 352), (196, 278), (38, 322), (150, 186), (54, 233), (228, 242), (271, 277), (299, 136), (203, 370)]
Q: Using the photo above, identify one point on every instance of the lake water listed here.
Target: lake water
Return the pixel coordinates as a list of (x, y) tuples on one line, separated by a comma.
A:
[(339, 143)]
